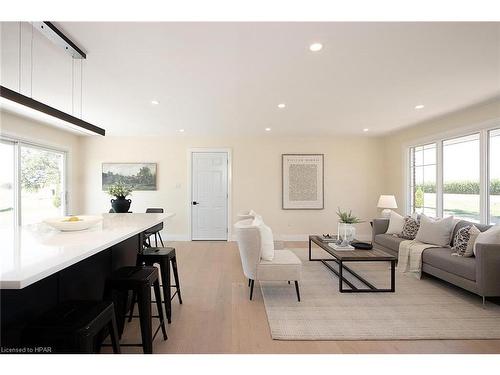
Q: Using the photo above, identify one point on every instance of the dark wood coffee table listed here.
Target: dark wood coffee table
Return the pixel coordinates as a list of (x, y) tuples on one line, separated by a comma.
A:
[(340, 257)]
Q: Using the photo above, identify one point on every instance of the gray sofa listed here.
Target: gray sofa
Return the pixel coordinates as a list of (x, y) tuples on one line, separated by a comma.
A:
[(479, 274)]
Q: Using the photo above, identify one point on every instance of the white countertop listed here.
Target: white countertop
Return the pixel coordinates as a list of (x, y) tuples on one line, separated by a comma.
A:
[(31, 253)]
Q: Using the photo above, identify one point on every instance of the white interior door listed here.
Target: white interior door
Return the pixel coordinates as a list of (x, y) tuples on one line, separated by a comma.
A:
[(209, 195)]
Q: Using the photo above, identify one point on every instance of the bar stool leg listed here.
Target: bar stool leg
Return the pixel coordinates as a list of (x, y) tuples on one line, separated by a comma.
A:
[(165, 281), (118, 298), (144, 303), (156, 286), (132, 306), (176, 277), (113, 332), (161, 240), (85, 344), (134, 296)]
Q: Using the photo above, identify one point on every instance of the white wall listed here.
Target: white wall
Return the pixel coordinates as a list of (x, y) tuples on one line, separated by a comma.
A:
[(353, 168), (466, 118), (30, 130)]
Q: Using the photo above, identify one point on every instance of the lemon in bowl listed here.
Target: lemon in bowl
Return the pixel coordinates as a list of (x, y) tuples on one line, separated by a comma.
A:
[(71, 219), (73, 223)]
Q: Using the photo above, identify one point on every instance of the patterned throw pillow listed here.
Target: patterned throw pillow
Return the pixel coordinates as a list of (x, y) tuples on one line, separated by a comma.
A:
[(460, 242), (410, 228)]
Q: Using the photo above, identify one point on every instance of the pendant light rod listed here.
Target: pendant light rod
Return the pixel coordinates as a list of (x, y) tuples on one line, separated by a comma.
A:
[(49, 30), (11, 99)]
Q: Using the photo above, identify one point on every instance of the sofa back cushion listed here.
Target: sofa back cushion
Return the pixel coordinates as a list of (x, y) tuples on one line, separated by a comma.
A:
[(465, 223)]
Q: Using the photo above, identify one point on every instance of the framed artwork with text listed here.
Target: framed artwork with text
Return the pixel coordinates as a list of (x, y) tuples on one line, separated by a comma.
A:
[(302, 181)]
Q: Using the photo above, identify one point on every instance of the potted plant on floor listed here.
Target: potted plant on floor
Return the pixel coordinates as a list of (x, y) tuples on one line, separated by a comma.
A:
[(120, 192), (346, 229)]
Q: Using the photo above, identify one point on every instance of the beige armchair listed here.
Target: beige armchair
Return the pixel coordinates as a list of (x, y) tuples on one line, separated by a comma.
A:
[(285, 266)]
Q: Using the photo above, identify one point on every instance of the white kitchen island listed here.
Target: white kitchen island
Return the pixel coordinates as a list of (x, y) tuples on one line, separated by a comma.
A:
[(40, 266)]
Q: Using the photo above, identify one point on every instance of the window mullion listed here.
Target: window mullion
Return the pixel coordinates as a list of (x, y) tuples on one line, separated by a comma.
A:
[(17, 183), (439, 179), (484, 177)]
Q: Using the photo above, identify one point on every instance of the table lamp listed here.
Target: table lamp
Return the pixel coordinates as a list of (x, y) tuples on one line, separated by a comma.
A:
[(387, 202)]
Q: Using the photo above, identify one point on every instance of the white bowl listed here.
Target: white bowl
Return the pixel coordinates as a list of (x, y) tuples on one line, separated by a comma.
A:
[(66, 226)]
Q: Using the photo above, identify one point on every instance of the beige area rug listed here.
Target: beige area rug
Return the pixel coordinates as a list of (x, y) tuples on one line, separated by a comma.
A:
[(419, 309)]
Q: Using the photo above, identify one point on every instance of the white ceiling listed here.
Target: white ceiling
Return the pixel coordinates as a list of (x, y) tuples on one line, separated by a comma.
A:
[(227, 78)]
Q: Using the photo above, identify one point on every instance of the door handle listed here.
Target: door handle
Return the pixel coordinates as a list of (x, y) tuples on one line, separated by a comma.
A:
[(194, 203)]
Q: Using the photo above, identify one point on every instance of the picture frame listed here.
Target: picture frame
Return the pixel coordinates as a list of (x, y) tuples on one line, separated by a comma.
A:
[(141, 176), (302, 181)]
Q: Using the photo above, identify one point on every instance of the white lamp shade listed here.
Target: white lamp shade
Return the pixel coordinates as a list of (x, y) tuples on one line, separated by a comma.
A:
[(387, 201)]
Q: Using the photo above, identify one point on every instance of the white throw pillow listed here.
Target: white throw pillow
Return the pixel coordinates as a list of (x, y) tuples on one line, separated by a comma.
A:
[(247, 215), (490, 236), (396, 223), (266, 239), (435, 232)]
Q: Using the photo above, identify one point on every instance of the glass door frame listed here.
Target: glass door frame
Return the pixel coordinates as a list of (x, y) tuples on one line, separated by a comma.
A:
[(18, 143)]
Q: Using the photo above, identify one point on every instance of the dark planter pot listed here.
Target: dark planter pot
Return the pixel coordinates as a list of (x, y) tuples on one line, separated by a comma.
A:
[(120, 204)]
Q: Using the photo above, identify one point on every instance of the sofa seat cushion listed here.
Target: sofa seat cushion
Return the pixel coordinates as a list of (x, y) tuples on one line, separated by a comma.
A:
[(284, 266), (389, 241), (440, 257)]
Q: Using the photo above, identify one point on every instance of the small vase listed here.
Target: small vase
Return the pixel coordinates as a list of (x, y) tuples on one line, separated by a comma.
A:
[(120, 204), (347, 232)]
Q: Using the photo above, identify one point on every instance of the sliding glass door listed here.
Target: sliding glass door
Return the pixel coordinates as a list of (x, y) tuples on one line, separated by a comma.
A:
[(42, 184), (32, 183), (7, 185)]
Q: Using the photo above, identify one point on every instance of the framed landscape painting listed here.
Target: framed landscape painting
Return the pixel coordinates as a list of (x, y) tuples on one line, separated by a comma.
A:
[(302, 181), (141, 176)]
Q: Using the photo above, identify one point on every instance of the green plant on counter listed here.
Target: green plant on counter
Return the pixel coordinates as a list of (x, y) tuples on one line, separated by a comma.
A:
[(120, 190), (347, 217)]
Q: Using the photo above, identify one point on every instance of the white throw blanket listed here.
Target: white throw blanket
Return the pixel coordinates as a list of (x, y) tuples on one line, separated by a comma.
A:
[(410, 257)]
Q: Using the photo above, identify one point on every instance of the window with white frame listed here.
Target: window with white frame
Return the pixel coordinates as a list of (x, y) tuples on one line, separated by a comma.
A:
[(461, 178), (32, 183), (494, 176), (423, 179), (456, 176)]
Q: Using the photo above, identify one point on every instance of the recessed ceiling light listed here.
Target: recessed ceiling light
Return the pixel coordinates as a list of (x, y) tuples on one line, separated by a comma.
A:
[(181, 130), (365, 129), (268, 129), (281, 105), (315, 47), (420, 106), (155, 102)]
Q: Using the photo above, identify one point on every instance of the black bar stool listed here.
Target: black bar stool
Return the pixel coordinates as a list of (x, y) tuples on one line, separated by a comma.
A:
[(164, 256), (139, 280), (155, 230), (73, 327)]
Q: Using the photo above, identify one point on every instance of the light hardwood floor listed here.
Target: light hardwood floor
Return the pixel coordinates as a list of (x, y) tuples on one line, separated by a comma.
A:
[(217, 316)]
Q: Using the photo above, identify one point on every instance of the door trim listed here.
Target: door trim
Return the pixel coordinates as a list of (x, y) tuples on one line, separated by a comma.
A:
[(190, 152)]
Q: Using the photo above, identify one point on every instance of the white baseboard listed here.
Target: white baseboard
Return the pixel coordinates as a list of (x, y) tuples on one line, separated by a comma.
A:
[(291, 237), (277, 237), (175, 237)]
